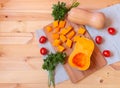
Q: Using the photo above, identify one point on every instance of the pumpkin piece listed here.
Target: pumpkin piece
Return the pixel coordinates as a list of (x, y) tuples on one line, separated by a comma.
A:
[(75, 39), (57, 30), (62, 24), (81, 54), (49, 28), (56, 42), (60, 48), (55, 23), (71, 34), (81, 30), (69, 28), (63, 38), (64, 31), (55, 36), (69, 43)]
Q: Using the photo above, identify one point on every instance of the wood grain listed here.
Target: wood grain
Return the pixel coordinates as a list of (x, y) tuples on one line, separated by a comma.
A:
[(20, 61)]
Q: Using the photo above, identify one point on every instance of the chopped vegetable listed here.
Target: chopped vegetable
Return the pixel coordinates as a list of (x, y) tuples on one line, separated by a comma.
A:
[(55, 23), (49, 28), (56, 42), (71, 34), (63, 38), (69, 43), (81, 30), (43, 51), (66, 30), (50, 63), (62, 24), (60, 48), (60, 10), (57, 29), (42, 39), (55, 36), (69, 28)]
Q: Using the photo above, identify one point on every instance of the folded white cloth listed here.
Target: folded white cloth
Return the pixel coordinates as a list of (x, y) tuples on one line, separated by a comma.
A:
[(111, 42)]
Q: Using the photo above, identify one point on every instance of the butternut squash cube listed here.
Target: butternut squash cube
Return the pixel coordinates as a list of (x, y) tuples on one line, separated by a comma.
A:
[(55, 36), (69, 43), (81, 30), (62, 24), (64, 31), (55, 23), (76, 38), (69, 28), (56, 42), (49, 28), (60, 48), (63, 38), (57, 29), (71, 34)]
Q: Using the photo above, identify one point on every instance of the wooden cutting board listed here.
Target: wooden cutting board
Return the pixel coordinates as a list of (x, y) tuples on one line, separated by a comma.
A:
[(97, 60)]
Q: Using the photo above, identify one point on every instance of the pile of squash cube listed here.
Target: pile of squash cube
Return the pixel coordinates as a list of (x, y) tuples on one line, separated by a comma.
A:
[(61, 33)]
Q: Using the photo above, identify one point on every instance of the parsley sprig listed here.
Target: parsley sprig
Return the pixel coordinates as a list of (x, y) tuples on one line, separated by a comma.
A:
[(50, 63), (60, 10)]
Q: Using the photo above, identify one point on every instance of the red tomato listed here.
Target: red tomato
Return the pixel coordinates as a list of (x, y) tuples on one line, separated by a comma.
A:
[(42, 39), (107, 53), (98, 39), (43, 51), (111, 30)]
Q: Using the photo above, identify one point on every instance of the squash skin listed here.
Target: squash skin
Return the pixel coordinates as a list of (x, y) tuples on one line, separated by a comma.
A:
[(87, 17), (85, 48)]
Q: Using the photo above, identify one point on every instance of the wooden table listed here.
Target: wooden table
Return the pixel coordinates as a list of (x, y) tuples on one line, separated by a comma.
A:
[(20, 61)]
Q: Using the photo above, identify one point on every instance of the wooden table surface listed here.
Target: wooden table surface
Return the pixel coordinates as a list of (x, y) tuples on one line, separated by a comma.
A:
[(20, 61)]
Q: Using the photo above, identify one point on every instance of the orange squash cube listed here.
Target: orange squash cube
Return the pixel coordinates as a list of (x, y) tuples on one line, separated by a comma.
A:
[(81, 30), (64, 31), (57, 30), (60, 48), (62, 24), (55, 36), (69, 43), (69, 28), (71, 34), (55, 23), (49, 28), (63, 38), (56, 42)]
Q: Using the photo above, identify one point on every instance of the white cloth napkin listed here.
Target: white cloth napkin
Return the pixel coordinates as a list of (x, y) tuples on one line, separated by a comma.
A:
[(111, 42)]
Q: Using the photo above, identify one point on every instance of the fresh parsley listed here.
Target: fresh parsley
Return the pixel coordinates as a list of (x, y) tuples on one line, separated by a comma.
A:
[(50, 63), (60, 10)]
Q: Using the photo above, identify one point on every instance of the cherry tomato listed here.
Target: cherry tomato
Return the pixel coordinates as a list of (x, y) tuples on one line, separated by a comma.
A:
[(98, 39), (43, 51), (42, 39), (111, 30), (107, 53)]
